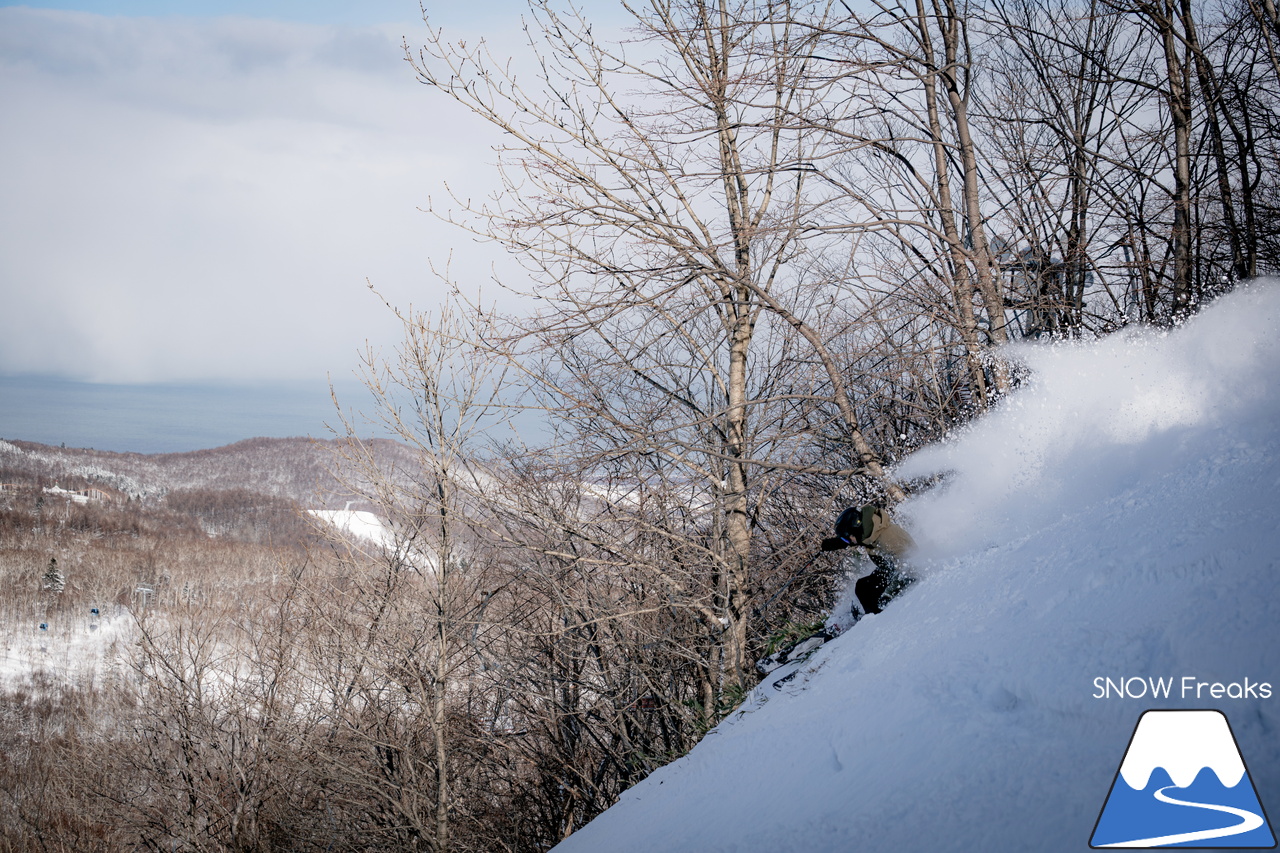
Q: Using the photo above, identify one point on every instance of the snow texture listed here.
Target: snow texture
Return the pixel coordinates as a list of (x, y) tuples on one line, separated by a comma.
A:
[(1115, 518)]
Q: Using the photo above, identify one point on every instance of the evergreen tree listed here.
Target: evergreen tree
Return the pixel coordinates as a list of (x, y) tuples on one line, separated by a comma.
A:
[(53, 580)]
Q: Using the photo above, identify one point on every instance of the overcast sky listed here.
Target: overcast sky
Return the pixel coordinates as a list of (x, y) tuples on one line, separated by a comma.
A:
[(201, 196)]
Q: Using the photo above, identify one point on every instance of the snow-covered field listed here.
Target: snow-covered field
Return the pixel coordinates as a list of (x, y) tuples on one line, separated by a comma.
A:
[(1117, 518), (73, 648)]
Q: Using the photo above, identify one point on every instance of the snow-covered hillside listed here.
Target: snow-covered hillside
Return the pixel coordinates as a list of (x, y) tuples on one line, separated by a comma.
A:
[(299, 469), (1117, 518)]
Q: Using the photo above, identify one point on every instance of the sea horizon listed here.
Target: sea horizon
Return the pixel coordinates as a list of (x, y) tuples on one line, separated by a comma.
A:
[(168, 417)]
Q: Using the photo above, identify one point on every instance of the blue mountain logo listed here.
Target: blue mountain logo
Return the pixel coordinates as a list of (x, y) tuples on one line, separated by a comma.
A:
[(1183, 783)]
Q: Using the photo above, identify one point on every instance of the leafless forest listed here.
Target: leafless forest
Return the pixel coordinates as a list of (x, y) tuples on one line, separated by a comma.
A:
[(770, 247)]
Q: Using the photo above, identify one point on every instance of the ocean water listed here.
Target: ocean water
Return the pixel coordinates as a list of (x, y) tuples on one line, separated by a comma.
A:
[(166, 418)]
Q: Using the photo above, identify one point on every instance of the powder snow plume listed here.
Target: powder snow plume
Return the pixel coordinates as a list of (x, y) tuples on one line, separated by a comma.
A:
[(1094, 416)]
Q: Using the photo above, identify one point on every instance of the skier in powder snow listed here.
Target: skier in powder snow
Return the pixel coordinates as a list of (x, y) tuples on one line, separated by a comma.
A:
[(886, 543)]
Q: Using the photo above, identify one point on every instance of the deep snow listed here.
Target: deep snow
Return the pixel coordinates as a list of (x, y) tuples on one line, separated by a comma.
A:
[(1117, 517)]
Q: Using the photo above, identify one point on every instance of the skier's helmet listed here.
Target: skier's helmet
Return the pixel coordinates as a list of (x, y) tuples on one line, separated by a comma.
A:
[(856, 523), (849, 525)]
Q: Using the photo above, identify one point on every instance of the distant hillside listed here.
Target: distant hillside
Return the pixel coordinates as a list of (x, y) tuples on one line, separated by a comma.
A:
[(297, 469)]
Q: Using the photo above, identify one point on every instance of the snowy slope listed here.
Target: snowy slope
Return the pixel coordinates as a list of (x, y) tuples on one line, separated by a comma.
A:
[(1118, 517), (357, 525)]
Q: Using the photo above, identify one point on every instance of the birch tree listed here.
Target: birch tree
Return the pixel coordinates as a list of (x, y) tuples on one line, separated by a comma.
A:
[(662, 196)]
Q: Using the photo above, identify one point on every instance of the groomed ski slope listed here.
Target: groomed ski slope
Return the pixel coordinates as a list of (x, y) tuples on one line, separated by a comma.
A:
[(1117, 517)]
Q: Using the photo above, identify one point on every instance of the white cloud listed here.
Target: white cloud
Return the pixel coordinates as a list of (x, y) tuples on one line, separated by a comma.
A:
[(195, 199)]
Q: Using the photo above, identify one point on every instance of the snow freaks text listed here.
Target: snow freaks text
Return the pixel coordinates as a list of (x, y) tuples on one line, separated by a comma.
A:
[(1186, 687)]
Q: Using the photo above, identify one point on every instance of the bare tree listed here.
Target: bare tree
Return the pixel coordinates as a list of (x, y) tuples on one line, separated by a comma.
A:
[(418, 629), (1055, 106), (661, 194)]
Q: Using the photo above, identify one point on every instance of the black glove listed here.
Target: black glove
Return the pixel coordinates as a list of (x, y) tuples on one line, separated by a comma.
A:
[(834, 543)]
